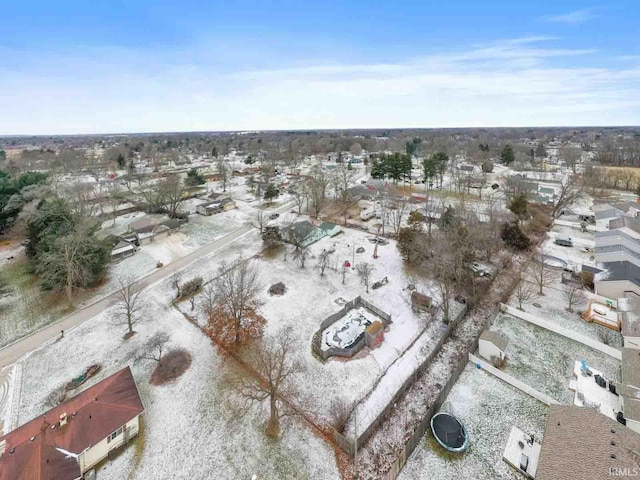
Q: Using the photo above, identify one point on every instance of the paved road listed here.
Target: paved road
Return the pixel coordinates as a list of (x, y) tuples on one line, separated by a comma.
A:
[(13, 352)]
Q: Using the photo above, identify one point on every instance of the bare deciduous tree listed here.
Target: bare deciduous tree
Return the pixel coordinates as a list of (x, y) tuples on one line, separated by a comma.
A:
[(323, 261), (167, 196), (176, 278), (275, 368), (541, 275), (128, 304), (573, 294), (523, 292), (365, 270), (396, 211), (236, 298), (567, 195), (115, 198), (260, 220), (223, 171), (155, 346), (317, 189), (299, 195), (300, 255)]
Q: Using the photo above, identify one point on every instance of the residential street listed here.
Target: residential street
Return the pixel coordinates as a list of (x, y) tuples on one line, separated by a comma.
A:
[(13, 352)]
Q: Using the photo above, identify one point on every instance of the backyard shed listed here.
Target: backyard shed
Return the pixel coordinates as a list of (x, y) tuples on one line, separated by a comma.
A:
[(492, 346), (420, 301), (374, 334)]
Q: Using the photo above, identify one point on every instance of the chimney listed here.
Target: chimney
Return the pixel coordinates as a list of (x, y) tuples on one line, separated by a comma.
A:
[(63, 419)]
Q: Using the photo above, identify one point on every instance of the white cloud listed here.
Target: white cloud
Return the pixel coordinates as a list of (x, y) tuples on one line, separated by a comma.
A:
[(513, 82), (572, 18)]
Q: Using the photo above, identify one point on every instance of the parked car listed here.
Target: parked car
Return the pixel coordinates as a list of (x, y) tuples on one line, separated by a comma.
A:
[(564, 241), (479, 269), (273, 216)]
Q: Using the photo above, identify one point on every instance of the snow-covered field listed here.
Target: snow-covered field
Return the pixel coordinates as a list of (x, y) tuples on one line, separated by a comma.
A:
[(488, 408), (545, 360), (189, 430), (24, 308), (311, 298)]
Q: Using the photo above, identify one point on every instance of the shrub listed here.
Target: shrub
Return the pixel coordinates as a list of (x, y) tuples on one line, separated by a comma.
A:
[(191, 287), (339, 413), (277, 289), (173, 364), (587, 280)]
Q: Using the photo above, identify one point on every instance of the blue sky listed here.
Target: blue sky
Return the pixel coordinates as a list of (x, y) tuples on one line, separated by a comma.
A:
[(129, 66)]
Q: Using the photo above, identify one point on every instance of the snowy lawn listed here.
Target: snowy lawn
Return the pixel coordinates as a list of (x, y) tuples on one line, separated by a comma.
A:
[(545, 360), (488, 408), (553, 306), (24, 307), (186, 419), (311, 298)]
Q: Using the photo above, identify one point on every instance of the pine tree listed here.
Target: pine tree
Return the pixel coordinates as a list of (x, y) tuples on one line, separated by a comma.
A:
[(507, 156)]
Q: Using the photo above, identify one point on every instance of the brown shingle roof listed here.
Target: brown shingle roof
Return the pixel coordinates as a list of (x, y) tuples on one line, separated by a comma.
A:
[(581, 443), (91, 416)]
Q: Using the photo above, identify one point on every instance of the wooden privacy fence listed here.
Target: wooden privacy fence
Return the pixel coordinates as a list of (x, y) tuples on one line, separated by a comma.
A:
[(419, 432), (355, 348), (348, 444)]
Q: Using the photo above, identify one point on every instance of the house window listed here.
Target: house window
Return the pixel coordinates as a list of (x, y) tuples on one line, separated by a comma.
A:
[(115, 434)]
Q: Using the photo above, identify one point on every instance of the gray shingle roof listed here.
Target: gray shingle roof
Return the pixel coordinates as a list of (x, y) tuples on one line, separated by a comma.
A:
[(618, 271), (581, 443), (497, 338), (625, 222)]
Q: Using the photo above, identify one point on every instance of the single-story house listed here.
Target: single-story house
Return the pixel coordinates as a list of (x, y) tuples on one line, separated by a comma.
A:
[(330, 229), (617, 278), (581, 443), (123, 249), (160, 230), (72, 438), (227, 204), (144, 225), (493, 346), (304, 233), (629, 208), (209, 208)]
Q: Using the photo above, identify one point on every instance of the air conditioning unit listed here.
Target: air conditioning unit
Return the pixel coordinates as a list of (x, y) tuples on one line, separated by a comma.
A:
[(90, 475), (63, 419)]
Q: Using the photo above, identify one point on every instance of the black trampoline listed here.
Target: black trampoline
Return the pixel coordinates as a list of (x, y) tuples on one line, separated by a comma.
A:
[(449, 432)]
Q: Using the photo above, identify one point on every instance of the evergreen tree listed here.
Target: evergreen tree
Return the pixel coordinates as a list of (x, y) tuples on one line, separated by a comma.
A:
[(271, 192), (507, 156), (514, 237), (194, 178), (519, 205)]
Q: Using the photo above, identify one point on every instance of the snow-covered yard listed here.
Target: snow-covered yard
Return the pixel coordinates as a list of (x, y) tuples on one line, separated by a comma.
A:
[(488, 408), (552, 307), (545, 360), (311, 298), (189, 430)]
